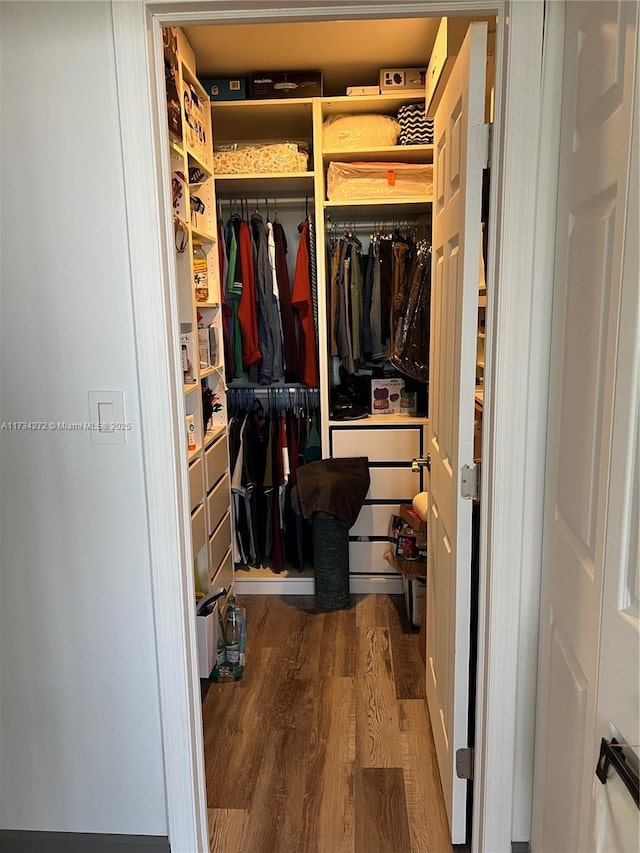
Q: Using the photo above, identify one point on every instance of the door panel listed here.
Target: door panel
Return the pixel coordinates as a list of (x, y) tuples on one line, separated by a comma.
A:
[(600, 47), (454, 294)]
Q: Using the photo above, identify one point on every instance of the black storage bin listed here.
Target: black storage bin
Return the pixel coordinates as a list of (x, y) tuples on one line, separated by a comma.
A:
[(331, 562)]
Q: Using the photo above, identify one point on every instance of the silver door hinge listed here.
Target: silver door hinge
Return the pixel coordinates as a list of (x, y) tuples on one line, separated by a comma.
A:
[(464, 763), (470, 482), (479, 146)]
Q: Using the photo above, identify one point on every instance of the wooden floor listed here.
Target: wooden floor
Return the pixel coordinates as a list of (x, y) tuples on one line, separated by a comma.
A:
[(325, 745)]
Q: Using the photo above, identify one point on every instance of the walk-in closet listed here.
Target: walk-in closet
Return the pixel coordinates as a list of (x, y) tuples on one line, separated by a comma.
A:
[(329, 185)]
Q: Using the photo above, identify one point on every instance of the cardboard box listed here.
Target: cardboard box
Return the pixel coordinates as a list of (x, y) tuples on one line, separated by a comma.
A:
[(385, 396), (410, 547), (408, 514), (226, 88), (285, 84)]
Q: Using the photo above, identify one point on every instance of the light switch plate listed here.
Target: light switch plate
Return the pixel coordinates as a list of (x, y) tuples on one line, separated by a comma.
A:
[(106, 414)]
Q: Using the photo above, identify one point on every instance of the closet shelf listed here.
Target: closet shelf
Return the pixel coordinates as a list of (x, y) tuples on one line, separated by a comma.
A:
[(388, 154), (193, 453), (387, 103), (212, 433), (209, 305), (195, 160), (202, 235), (397, 207), (209, 371), (264, 184), (175, 147), (190, 387), (396, 419)]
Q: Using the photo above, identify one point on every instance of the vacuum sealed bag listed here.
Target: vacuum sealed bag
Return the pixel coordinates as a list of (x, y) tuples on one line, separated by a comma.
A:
[(359, 131), (355, 181), (259, 157)]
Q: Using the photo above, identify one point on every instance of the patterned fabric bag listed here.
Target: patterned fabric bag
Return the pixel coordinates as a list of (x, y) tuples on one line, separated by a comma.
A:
[(415, 128)]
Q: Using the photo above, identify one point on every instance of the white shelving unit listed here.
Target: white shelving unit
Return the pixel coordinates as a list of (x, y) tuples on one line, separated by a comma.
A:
[(207, 464)]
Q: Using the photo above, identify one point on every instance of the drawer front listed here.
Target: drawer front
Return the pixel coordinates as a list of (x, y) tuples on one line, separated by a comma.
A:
[(368, 558), (219, 544), (373, 520), (393, 484), (196, 483), (216, 461), (218, 503), (224, 575), (198, 530), (380, 445)]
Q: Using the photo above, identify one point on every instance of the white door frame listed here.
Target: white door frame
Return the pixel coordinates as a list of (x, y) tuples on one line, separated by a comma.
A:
[(517, 355)]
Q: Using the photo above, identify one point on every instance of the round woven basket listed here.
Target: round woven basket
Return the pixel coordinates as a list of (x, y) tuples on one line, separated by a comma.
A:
[(331, 563)]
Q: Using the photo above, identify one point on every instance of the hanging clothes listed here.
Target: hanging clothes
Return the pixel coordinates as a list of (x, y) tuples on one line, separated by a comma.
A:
[(302, 302), (247, 306), (266, 452), (292, 362), (271, 367), (411, 345), (233, 292)]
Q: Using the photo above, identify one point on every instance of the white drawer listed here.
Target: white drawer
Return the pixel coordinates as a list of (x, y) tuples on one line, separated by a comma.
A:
[(196, 483), (393, 484), (198, 531), (218, 502), (368, 558), (373, 520), (216, 460), (449, 38), (219, 544), (224, 575), (380, 445)]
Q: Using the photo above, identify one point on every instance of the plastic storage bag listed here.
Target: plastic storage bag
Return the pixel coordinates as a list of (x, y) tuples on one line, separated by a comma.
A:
[(361, 131), (354, 181), (252, 158), (411, 341)]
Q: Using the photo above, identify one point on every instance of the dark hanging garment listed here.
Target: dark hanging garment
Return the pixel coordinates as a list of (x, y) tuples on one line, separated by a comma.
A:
[(411, 345), (271, 367), (247, 307), (303, 305), (313, 271), (292, 369)]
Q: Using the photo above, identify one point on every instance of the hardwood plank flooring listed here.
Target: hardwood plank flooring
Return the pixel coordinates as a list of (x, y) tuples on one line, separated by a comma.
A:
[(325, 745)]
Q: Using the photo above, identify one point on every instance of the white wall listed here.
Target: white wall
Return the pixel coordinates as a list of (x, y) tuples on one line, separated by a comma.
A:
[(80, 741)]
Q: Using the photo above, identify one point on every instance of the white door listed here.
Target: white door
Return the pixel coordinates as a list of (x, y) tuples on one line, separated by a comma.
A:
[(459, 157), (586, 499)]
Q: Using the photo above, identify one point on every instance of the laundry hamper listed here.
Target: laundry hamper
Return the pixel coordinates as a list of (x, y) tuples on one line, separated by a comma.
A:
[(331, 492)]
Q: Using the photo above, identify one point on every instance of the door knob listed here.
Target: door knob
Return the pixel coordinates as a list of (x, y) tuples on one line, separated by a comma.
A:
[(417, 464)]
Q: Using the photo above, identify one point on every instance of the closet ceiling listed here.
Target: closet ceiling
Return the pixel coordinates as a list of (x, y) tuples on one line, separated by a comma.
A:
[(347, 52)]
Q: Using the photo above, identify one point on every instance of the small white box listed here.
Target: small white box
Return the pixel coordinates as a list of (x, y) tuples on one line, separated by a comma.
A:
[(188, 362), (363, 90), (207, 636), (204, 347), (414, 596)]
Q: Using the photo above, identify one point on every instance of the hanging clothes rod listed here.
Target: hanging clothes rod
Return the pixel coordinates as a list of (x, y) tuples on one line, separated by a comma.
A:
[(278, 202)]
